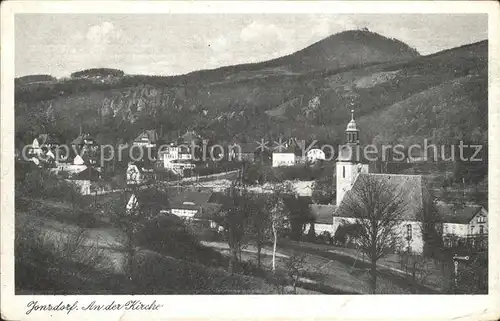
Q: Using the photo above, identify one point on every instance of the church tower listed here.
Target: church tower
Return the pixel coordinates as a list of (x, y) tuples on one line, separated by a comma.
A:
[(350, 160)]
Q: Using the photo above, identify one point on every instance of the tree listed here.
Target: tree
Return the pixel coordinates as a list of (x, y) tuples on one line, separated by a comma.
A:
[(235, 214), (323, 191), (377, 207), (131, 211), (431, 227), (299, 214), (259, 224), (295, 266)]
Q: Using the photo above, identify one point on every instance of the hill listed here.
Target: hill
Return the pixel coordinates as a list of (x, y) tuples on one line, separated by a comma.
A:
[(307, 94)]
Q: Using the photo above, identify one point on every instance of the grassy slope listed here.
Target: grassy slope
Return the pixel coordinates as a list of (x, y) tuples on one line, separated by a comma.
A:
[(156, 273)]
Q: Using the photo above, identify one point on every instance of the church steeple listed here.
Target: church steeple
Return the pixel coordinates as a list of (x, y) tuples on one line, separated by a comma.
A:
[(352, 131)]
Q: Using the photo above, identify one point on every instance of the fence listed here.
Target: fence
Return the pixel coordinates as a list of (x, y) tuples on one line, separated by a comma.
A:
[(470, 242)]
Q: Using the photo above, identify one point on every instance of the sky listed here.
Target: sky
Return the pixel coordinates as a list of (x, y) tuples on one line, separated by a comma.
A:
[(171, 44)]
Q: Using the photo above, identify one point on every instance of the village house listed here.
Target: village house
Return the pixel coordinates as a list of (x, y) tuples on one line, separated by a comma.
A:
[(154, 203), (179, 149), (43, 141), (85, 142), (242, 152), (469, 219), (139, 173), (314, 155), (85, 179), (287, 154), (73, 166), (195, 206)]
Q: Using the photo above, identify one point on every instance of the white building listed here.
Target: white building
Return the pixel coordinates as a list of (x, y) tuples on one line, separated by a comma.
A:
[(283, 159), (463, 221), (137, 174), (314, 155)]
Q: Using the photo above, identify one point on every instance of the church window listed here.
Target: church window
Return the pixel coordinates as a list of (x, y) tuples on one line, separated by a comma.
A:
[(343, 171), (409, 231)]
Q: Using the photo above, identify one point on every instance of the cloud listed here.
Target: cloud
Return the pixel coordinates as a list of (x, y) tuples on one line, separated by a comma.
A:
[(103, 33)]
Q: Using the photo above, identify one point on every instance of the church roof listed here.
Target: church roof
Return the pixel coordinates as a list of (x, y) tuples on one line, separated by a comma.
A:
[(351, 126), (323, 214), (411, 187)]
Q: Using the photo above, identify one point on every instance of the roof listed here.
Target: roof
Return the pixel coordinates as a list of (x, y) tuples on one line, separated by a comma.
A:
[(148, 197), (80, 140), (208, 211), (411, 188), (323, 214), (460, 215), (189, 136), (46, 139), (143, 166), (87, 174), (292, 147), (150, 135), (351, 126), (190, 200)]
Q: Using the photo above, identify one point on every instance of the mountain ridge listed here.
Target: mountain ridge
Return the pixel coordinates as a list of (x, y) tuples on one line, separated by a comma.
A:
[(241, 107)]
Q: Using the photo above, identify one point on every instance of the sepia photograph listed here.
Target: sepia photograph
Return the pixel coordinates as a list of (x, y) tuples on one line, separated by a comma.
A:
[(261, 153)]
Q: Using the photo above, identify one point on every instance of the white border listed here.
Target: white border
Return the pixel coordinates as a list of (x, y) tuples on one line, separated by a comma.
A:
[(473, 307)]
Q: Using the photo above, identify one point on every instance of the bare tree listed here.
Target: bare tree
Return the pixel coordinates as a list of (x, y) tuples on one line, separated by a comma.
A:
[(431, 226), (377, 207), (277, 210), (135, 207), (235, 214), (259, 223), (295, 266)]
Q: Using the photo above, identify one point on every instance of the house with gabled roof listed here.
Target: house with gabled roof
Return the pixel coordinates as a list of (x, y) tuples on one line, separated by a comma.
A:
[(465, 220), (243, 151), (84, 139), (139, 173), (84, 179), (43, 141), (287, 153), (195, 206), (148, 138)]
